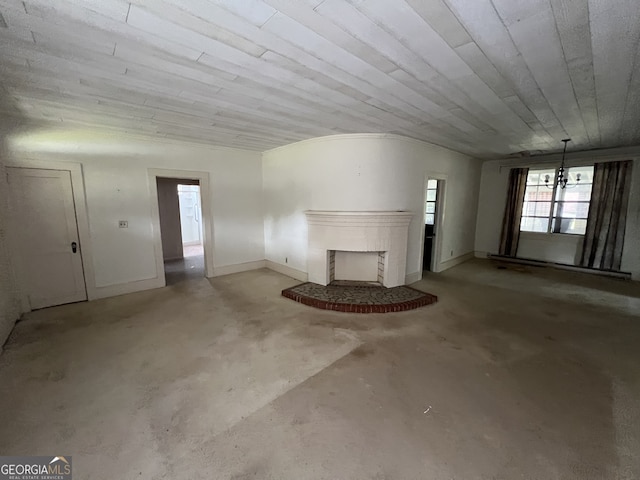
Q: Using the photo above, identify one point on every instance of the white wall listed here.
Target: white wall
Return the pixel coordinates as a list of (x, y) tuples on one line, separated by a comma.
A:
[(10, 308), (365, 172), (552, 247), (116, 185)]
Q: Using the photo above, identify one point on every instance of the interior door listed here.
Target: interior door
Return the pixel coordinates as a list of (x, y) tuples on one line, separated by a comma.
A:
[(45, 234)]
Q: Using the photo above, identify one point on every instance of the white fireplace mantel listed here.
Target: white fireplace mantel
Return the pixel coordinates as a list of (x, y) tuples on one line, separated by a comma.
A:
[(378, 231)]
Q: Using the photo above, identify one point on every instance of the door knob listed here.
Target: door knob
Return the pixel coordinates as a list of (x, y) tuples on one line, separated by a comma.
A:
[(74, 247)]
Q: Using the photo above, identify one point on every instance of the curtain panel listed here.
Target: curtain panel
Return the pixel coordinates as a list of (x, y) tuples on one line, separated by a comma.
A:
[(604, 238), (513, 212)]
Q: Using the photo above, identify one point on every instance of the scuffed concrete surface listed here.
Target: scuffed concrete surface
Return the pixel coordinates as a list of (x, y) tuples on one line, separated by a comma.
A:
[(523, 373)]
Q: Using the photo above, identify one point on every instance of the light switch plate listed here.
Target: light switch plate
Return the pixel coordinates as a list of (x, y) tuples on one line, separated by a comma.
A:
[(123, 224)]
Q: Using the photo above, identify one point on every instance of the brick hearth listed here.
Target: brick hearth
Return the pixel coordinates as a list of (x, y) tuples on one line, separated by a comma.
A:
[(359, 297)]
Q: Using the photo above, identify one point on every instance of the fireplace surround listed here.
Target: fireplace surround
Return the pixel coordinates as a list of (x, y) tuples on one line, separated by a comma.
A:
[(385, 233)]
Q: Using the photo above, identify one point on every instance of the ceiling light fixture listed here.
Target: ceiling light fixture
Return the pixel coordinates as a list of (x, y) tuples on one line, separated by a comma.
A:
[(562, 181)]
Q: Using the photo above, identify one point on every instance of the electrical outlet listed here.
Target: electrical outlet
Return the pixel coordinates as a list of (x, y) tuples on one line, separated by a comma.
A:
[(286, 259), (452, 253), (123, 224)]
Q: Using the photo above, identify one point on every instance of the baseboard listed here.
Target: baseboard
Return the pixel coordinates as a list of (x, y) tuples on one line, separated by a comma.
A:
[(150, 283), (452, 262), (288, 271), (171, 259), (129, 287), (237, 268), (561, 266), (479, 254), (413, 278)]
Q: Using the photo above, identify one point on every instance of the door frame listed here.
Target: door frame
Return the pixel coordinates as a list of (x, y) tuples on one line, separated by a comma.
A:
[(436, 253), (82, 219), (205, 205)]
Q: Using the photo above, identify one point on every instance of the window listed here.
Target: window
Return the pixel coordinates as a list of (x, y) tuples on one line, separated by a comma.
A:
[(571, 207), (557, 210), (538, 198), (430, 211)]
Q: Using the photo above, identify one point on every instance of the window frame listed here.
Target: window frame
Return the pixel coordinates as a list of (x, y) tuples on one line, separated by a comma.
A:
[(553, 220), (434, 202)]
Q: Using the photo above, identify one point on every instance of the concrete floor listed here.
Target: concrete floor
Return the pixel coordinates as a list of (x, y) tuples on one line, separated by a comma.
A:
[(523, 373)]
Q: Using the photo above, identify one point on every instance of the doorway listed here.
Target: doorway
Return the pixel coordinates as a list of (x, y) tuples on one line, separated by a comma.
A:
[(432, 219), (181, 231), (45, 236)]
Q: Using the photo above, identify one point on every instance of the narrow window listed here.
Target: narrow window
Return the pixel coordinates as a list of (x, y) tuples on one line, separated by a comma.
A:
[(430, 211), (538, 198)]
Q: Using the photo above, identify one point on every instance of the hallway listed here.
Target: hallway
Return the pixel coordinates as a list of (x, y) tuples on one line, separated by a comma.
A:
[(191, 267)]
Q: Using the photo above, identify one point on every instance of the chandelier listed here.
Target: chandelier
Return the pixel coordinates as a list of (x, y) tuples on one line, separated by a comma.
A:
[(562, 181)]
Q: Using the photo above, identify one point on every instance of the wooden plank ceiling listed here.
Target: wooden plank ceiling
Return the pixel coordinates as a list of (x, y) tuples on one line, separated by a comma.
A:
[(484, 77)]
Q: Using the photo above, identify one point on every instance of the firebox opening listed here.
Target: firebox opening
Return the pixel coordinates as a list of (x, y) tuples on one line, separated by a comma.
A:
[(356, 266)]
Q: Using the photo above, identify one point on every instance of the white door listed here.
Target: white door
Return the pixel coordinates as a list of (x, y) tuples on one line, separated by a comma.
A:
[(45, 235)]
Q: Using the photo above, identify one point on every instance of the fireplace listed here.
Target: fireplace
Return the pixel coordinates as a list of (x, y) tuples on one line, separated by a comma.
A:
[(369, 246)]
